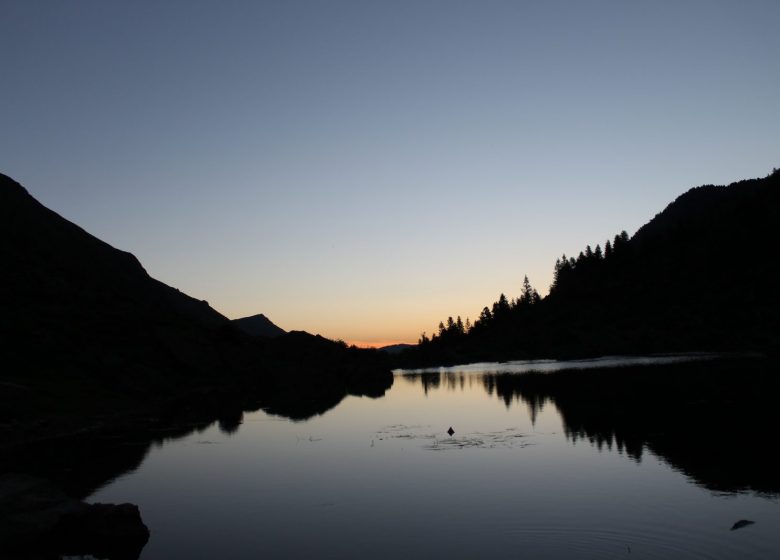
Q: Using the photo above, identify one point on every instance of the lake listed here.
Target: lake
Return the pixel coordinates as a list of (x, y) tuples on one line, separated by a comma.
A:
[(610, 458)]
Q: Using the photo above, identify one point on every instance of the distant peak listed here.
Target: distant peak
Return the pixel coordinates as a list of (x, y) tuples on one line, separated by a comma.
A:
[(258, 316), (258, 325)]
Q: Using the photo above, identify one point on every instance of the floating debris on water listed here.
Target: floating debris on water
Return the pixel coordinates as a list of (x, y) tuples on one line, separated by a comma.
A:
[(741, 523), (508, 438)]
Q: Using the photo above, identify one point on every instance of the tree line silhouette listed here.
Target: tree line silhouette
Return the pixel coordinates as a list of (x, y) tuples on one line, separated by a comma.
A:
[(698, 276)]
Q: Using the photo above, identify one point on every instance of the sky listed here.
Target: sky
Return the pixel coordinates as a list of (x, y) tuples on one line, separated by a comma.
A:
[(364, 169)]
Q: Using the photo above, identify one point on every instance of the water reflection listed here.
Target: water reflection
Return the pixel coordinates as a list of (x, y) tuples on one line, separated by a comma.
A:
[(384, 478), (504, 476), (526, 366), (714, 420), (81, 464), (229, 423)]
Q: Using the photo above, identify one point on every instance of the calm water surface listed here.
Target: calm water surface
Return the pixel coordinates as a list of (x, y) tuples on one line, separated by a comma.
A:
[(381, 478)]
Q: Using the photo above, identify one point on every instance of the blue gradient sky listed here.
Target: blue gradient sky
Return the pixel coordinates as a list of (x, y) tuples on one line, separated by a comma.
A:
[(364, 169)]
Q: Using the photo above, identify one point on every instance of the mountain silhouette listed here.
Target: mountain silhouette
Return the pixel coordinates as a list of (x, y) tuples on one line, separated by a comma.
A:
[(258, 325), (701, 275), (88, 338), (395, 348), (78, 302)]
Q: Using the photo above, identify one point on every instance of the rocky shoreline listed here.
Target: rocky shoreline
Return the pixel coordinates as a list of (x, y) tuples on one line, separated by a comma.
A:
[(41, 521)]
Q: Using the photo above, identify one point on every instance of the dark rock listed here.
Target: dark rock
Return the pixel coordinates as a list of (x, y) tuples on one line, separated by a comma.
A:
[(31, 507), (741, 523), (36, 516), (115, 531)]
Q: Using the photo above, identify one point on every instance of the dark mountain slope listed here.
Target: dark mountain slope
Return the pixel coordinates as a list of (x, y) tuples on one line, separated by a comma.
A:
[(87, 337), (701, 275), (395, 348), (258, 325), (74, 302), (64, 256)]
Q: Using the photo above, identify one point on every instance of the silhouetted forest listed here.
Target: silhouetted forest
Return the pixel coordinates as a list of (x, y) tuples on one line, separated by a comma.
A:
[(701, 275)]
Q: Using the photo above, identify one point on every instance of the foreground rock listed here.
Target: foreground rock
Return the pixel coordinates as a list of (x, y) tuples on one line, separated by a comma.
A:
[(37, 520)]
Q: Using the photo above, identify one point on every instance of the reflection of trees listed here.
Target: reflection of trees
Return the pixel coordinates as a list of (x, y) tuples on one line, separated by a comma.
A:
[(230, 422), (455, 380), (715, 421), (500, 385), (427, 380), (504, 387), (452, 380)]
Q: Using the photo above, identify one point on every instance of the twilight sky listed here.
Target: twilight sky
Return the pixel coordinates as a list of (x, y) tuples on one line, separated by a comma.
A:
[(364, 169)]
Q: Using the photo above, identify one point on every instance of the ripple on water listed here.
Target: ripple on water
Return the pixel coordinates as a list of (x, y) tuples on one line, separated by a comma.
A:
[(510, 438), (632, 542)]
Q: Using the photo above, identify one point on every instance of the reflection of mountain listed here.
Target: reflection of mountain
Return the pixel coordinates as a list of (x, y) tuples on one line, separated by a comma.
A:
[(82, 463), (715, 421), (334, 371)]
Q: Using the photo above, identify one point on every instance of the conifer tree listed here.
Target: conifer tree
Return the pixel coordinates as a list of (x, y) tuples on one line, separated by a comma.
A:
[(527, 294), (501, 307)]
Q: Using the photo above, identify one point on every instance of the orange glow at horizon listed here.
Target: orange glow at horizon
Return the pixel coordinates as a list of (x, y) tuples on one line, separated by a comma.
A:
[(376, 343)]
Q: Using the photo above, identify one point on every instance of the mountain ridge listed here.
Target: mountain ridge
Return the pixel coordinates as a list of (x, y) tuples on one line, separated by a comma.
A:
[(89, 339), (699, 276)]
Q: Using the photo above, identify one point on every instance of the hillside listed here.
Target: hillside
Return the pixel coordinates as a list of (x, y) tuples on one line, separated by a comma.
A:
[(74, 302), (88, 339), (701, 275), (395, 348)]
